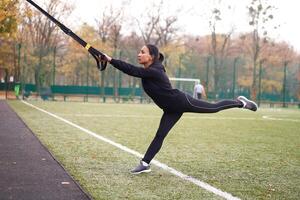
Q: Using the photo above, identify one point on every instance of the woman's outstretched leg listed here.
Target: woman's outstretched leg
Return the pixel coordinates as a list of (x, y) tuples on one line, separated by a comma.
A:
[(200, 106), (167, 121)]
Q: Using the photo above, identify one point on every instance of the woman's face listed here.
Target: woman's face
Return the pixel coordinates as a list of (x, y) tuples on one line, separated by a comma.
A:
[(144, 58)]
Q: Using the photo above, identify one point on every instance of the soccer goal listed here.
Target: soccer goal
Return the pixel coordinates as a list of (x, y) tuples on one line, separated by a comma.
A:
[(184, 84)]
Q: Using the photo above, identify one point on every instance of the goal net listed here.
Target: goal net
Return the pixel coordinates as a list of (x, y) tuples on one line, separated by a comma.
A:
[(184, 84)]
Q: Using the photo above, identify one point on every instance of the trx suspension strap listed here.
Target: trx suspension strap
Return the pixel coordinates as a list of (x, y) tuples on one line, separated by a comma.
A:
[(95, 53)]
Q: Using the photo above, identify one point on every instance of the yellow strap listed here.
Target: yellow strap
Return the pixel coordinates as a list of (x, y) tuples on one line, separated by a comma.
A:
[(87, 46)]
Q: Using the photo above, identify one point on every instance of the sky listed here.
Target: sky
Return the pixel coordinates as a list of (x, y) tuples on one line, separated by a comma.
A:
[(193, 17)]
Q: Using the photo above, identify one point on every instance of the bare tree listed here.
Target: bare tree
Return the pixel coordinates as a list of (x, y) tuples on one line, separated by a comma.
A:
[(220, 43), (166, 31), (158, 29), (110, 19), (43, 35), (148, 30), (260, 13), (288, 56), (115, 37), (109, 27)]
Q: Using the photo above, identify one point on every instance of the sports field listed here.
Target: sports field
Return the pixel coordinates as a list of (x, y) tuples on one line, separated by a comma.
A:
[(250, 155)]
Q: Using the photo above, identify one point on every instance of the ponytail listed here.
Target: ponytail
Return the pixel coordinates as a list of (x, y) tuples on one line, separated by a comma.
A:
[(154, 52), (161, 57)]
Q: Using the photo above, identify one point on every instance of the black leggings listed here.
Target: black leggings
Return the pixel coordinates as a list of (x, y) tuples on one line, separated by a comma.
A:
[(169, 119)]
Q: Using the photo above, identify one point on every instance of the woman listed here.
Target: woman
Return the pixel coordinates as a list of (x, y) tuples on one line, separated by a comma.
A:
[(173, 102)]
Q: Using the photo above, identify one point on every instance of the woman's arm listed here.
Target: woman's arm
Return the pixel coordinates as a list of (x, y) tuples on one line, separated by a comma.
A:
[(133, 70)]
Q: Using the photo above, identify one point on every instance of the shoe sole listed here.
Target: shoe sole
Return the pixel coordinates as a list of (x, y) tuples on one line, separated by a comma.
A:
[(256, 106), (144, 171)]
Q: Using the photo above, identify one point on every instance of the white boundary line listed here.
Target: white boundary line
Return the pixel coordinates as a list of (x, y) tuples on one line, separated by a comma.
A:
[(265, 117), (156, 116), (279, 119), (171, 170)]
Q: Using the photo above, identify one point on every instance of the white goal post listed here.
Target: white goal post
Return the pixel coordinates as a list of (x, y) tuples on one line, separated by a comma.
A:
[(185, 79), (189, 88)]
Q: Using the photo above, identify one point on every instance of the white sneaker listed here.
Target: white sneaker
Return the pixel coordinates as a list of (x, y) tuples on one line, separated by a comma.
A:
[(143, 167), (247, 104)]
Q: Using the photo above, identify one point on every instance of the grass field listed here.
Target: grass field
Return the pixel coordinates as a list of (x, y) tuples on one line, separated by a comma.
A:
[(251, 155)]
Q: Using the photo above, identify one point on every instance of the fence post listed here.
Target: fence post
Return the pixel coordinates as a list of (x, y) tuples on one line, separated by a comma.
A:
[(259, 82), (234, 76), (178, 85), (103, 86), (54, 66), (19, 62), (23, 73), (114, 74), (87, 77), (120, 76), (284, 84), (207, 73), (6, 82)]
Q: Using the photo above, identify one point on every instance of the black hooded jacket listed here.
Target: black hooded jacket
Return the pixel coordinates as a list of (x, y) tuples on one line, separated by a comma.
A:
[(155, 83)]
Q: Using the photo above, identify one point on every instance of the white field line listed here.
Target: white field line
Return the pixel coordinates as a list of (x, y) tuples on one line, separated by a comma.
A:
[(185, 117), (280, 119), (155, 116), (171, 170)]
